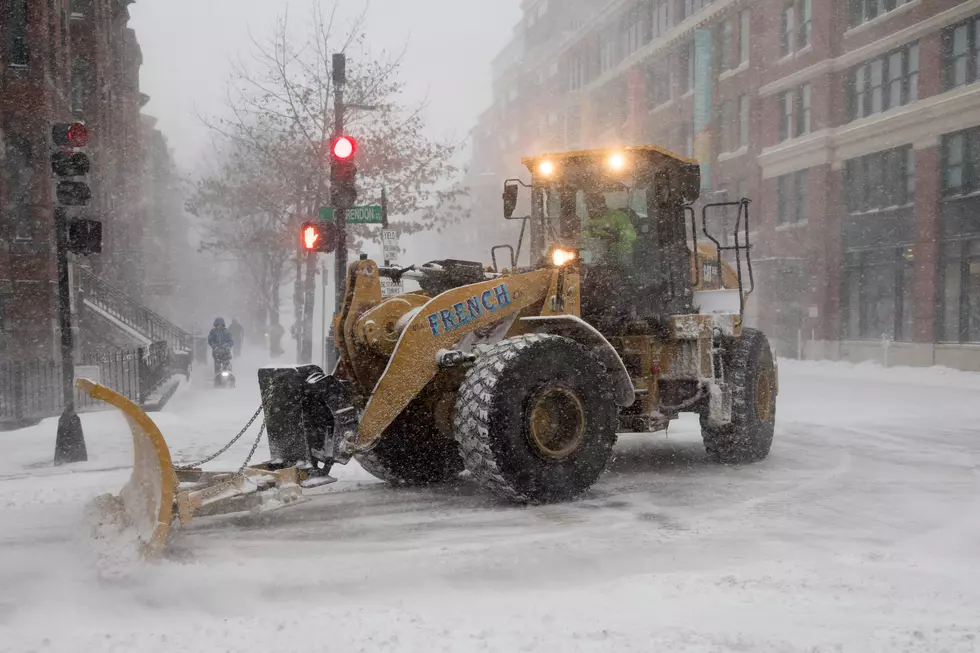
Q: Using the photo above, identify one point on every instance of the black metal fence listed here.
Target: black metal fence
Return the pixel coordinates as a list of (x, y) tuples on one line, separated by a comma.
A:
[(32, 389)]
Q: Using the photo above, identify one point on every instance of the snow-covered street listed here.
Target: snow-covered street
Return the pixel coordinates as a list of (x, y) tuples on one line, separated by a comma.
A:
[(861, 532)]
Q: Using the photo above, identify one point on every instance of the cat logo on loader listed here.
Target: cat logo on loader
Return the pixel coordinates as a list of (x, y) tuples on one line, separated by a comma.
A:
[(629, 313)]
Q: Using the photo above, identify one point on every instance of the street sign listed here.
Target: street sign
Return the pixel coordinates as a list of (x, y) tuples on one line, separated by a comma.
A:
[(389, 245), (389, 252), (390, 288), (355, 215)]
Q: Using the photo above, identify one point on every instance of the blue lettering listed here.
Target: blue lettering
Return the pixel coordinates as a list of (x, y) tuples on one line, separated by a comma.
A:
[(461, 315), (447, 320), (487, 299), (473, 305), (503, 297), (434, 324)]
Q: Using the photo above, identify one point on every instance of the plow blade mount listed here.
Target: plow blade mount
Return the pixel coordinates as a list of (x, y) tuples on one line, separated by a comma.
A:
[(307, 414)]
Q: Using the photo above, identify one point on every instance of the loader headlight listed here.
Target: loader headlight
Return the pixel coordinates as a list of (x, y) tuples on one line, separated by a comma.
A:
[(617, 162), (546, 168), (562, 256)]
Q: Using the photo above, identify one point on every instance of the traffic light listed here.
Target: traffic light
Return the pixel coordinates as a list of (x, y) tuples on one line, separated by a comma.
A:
[(69, 167), (85, 236), (343, 172), (318, 237), (66, 161)]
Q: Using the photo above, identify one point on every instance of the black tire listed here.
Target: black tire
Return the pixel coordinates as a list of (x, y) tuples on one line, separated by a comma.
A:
[(511, 381), (751, 373), (412, 451)]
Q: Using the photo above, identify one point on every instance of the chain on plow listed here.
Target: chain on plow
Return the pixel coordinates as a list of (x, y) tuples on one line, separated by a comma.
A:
[(229, 446)]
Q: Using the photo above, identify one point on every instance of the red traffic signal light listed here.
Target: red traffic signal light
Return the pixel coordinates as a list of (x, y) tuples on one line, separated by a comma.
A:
[(344, 147), (318, 237), (311, 238), (69, 134)]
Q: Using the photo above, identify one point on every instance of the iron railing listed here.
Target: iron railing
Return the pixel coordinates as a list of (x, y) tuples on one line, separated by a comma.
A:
[(32, 389), (130, 312)]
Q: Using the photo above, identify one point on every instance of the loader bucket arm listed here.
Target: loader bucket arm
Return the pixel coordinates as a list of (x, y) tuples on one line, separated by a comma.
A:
[(146, 501), (441, 324)]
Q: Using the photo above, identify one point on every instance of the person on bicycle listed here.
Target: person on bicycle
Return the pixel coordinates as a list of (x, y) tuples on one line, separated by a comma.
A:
[(221, 342)]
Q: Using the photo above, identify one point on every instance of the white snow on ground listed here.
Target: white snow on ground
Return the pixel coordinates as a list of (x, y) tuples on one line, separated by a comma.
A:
[(861, 532)]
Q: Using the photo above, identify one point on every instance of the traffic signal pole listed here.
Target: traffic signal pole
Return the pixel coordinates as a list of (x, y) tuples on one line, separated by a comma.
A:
[(340, 256), (70, 441), (69, 188)]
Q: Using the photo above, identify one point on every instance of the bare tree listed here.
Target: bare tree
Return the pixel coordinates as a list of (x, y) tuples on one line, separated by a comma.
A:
[(280, 116)]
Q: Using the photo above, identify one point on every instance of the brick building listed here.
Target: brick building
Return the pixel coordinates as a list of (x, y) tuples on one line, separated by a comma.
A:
[(63, 60), (852, 125)]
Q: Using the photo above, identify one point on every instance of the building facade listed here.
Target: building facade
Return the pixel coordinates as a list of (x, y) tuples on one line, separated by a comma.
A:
[(853, 126), (66, 60)]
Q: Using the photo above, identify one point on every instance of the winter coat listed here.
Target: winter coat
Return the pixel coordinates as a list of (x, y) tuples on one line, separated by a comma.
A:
[(220, 338)]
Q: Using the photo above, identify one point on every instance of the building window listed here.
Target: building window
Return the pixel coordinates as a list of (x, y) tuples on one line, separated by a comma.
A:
[(804, 11), (728, 126), (661, 18), (658, 83), (78, 83), (607, 51), (960, 49), (886, 82), (796, 26), (794, 112), (573, 126), (19, 52), (791, 194), (878, 293), (961, 163), (20, 175), (686, 139), (786, 102), (687, 63), (634, 33), (881, 180), (726, 45), (960, 269), (576, 73), (865, 10), (744, 36), (743, 121), (691, 7), (787, 33), (803, 111)]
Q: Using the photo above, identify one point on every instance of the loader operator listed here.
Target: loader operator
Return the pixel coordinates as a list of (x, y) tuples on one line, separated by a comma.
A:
[(609, 237), (221, 342)]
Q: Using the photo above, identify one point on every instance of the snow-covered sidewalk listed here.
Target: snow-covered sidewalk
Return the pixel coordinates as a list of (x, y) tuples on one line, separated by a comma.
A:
[(861, 532)]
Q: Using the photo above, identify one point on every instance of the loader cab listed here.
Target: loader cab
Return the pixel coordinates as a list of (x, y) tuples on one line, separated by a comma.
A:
[(622, 212)]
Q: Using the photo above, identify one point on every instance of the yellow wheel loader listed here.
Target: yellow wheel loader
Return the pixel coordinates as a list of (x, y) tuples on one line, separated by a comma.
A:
[(629, 314)]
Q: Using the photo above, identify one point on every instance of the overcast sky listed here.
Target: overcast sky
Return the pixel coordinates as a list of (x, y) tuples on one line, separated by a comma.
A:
[(187, 45)]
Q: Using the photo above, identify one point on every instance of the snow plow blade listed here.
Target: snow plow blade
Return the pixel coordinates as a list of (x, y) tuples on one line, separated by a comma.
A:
[(157, 492), (146, 502)]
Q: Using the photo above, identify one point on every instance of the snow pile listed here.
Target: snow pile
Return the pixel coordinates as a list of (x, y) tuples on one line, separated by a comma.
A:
[(935, 376), (113, 542)]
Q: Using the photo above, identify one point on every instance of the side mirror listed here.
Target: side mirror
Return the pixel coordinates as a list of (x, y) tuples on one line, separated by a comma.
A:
[(510, 200)]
